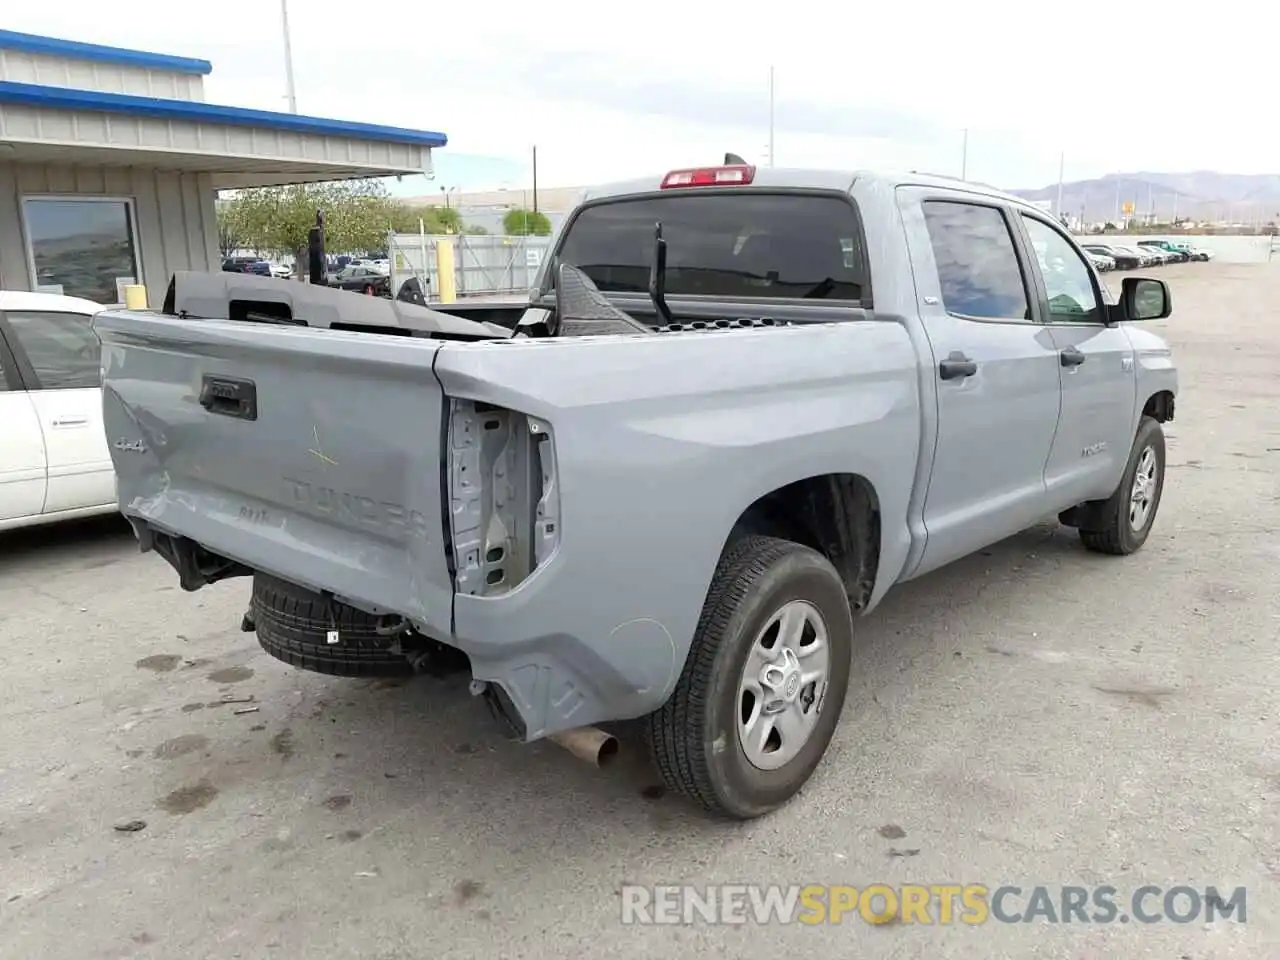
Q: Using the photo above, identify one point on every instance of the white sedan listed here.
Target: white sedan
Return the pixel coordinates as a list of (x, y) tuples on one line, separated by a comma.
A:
[(54, 461)]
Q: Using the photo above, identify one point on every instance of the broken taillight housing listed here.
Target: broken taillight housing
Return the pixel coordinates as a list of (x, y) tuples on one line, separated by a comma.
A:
[(504, 496)]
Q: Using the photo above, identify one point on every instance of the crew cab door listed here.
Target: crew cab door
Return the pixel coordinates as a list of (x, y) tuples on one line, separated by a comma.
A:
[(994, 368), (22, 468), (1096, 367), (60, 358)]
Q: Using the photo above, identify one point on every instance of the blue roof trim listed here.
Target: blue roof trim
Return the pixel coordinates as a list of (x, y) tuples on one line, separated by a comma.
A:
[(62, 98), (75, 50)]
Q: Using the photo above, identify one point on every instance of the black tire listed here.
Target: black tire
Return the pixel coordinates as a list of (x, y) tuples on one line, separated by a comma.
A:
[(293, 624), (1115, 534), (694, 736)]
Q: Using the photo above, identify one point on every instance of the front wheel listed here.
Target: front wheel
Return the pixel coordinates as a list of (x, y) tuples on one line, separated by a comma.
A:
[(1127, 516), (764, 683)]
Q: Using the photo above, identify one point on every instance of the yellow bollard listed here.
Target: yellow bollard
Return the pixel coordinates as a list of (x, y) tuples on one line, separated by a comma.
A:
[(135, 297), (446, 281)]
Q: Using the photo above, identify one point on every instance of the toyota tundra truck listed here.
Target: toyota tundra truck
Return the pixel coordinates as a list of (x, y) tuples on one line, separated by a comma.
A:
[(739, 406)]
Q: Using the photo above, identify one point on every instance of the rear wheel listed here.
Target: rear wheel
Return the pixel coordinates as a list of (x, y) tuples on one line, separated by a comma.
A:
[(764, 683)]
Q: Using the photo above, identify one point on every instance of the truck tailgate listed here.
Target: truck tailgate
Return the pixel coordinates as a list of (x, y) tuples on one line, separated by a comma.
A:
[(310, 454)]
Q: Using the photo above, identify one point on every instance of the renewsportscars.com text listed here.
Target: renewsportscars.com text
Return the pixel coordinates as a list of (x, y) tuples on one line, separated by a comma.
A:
[(939, 904)]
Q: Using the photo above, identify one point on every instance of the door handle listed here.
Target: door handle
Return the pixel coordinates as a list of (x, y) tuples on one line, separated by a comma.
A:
[(73, 421), (957, 367), (1071, 357), (230, 397)]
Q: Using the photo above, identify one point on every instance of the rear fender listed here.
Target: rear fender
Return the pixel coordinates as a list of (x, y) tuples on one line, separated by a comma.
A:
[(660, 444)]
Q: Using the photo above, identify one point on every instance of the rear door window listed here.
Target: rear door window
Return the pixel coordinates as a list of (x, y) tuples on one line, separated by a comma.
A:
[(62, 348), (9, 379), (727, 245), (978, 267)]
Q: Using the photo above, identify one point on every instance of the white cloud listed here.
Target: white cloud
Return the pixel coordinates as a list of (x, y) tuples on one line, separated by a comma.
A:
[(614, 90)]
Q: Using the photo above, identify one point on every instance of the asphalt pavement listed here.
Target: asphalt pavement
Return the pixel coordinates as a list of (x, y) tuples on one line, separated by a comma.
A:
[(1032, 715)]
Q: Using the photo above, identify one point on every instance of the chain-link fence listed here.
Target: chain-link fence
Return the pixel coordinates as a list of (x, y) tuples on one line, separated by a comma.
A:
[(483, 265)]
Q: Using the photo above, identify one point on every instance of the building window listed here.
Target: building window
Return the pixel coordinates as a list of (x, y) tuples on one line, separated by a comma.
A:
[(82, 246)]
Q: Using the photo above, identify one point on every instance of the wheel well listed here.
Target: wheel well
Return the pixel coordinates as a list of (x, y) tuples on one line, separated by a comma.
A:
[(837, 514), (1159, 406)]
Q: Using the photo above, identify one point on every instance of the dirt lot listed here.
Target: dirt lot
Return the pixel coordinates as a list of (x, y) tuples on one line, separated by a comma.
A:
[(1032, 715)]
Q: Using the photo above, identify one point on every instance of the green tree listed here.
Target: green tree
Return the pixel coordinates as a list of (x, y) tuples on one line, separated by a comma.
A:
[(526, 223), (358, 215), (435, 220), (230, 234)]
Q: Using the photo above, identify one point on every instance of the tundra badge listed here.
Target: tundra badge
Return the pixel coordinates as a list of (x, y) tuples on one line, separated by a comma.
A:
[(130, 446)]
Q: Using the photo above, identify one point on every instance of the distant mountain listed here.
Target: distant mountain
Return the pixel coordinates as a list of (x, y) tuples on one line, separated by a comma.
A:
[(1203, 195)]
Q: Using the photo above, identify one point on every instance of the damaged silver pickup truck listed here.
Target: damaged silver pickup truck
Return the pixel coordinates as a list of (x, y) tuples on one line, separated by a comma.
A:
[(739, 406)]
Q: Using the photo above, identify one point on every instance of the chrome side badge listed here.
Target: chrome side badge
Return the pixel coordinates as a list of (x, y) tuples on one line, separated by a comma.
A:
[(130, 446)]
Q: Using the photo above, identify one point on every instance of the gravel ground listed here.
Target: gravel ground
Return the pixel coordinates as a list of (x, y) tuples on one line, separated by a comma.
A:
[(1031, 715)]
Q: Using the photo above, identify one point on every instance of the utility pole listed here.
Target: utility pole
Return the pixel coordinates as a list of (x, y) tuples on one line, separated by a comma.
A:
[(771, 116), (964, 156), (535, 178), (1062, 165), (290, 91)]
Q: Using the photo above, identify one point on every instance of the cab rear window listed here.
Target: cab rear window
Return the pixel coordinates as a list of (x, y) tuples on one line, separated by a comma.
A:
[(725, 245)]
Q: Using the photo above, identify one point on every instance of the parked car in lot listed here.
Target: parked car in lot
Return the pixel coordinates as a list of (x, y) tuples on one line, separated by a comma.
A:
[(1123, 259), (1171, 253), (247, 265), (54, 462), (667, 494), (1190, 251), (362, 279), (1196, 253), (1166, 254), (1101, 261), (1146, 257)]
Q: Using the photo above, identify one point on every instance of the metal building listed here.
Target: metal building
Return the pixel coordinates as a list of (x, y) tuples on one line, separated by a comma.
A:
[(110, 160)]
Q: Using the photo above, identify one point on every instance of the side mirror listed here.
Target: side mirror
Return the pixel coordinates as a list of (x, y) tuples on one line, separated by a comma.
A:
[(1144, 299)]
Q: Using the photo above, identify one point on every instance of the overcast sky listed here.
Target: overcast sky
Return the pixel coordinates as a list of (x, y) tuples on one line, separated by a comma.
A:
[(614, 90)]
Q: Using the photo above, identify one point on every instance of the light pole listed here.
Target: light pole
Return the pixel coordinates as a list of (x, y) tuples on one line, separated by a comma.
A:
[(964, 156), (290, 91), (535, 178), (771, 116), (1062, 165)]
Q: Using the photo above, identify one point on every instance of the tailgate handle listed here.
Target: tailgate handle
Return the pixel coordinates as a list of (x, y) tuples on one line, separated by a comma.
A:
[(230, 397)]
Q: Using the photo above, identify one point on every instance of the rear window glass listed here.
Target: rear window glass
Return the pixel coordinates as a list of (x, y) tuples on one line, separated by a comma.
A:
[(723, 245)]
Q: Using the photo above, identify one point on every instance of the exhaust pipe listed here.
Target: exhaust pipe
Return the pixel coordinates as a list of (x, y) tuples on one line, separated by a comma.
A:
[(587, 743)]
